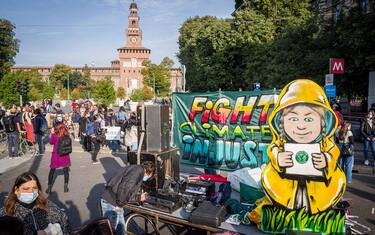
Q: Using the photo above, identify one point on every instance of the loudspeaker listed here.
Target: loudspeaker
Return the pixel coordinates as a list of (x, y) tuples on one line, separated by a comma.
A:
[(157, 131), (167, 164)]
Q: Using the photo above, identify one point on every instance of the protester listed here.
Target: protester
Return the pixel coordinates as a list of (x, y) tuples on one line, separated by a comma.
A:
[(76, 116), (129, 180), (131, 132), (59, 160), (27, 202), (83, 129), (121, 116), (40, 128), (27, 121), (110, 120), (12, 128), (368, 134), (344, 137), (95, 137)]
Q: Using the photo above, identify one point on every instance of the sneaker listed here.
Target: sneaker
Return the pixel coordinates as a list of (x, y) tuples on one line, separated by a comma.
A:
[(367, 162), (95, 162)]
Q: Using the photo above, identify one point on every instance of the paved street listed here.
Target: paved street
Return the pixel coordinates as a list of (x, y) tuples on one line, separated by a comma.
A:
[(87, 183)]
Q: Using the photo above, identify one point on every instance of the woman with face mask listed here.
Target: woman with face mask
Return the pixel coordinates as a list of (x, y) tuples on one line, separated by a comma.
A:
[(27, 202), (368, 134)]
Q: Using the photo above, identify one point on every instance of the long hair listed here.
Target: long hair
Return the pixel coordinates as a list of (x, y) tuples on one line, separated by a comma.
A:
[(61, 130), (10, 202), (343, 130)]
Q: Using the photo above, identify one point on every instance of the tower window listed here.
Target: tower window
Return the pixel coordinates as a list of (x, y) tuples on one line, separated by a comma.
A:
[(133, 23)]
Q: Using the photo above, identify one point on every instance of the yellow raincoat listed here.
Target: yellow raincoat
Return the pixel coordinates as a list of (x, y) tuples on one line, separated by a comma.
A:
[(281, 190)]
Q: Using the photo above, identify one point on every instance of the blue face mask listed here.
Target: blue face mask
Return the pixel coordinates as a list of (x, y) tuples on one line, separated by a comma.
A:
[(146, 177), (28, 197)]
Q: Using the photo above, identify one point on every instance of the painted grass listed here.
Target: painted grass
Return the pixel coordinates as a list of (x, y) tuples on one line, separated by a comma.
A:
[(277, 220)]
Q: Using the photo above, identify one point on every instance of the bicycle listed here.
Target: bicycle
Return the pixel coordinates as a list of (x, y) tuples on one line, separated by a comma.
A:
[(3, 144), (26, 148)]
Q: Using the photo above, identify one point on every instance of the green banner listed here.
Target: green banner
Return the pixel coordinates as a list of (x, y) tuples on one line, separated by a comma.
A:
[(223, 130)]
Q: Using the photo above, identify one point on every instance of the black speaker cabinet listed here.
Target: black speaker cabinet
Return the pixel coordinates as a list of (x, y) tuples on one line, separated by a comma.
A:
[(157, 130), (167, 164)]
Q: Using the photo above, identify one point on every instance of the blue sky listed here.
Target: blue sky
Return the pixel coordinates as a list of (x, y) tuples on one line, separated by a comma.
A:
[(79, 32)]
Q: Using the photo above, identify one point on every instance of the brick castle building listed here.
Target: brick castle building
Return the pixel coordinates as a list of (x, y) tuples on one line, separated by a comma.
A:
[(126, 70)]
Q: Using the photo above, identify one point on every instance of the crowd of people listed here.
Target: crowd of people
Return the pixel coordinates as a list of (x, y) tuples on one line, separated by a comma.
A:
[(345, 140), (86, 123), (27, 203)]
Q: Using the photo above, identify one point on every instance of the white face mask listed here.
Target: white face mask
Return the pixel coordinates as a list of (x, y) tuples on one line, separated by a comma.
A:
[(28, 197), (146, 177)]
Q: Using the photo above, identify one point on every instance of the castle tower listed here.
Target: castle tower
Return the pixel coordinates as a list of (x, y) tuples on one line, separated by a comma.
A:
[(133, 54)]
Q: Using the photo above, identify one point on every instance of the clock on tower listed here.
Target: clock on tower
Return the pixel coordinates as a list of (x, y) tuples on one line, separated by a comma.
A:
[(134, 40)]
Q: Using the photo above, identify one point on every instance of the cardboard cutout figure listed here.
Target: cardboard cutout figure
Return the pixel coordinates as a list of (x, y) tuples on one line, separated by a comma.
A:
[(302, 174)]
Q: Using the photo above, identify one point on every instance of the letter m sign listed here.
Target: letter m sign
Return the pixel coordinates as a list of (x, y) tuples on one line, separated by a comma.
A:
[(336, 66)]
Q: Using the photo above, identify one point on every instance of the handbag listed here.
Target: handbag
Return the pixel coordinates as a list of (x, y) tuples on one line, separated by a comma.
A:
[(347, 149)]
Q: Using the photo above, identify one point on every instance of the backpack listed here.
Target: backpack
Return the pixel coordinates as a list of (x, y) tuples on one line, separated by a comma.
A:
[(44, 126), (76, 117), (9, 123), (90, 127), (64, 145)]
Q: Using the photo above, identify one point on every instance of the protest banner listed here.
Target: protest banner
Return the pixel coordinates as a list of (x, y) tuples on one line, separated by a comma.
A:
[(223, 130)]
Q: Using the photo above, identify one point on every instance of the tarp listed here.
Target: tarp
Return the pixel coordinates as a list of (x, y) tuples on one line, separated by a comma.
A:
[(223, 130)]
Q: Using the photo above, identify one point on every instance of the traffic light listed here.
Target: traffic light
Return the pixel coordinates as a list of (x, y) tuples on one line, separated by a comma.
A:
[(19, 85), (25, 88)]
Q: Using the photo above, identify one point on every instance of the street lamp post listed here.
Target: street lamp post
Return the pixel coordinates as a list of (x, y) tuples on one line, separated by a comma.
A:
[(68, 88), (154, 87)]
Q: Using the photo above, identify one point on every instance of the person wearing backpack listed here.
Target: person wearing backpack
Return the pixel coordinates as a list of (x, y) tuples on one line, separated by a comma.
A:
[(12, 128), (62, 147), (76, 117), (122, 116), (40, 129), (125, 188)]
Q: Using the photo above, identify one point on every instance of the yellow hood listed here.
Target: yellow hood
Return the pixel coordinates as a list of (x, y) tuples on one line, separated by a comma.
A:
[(307, 92)]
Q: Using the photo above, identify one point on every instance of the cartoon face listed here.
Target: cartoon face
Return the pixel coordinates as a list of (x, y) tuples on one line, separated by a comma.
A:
[(302, 124)]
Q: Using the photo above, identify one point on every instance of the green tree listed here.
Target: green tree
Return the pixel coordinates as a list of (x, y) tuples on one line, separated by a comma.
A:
[(48, 91), (157, 76), (143, 94), (167, 62), (9, 46), (87, 83), (64, 94), (8, 89), (104, 91), (120, 93), (36, 83), (76, 93), (59, 75)]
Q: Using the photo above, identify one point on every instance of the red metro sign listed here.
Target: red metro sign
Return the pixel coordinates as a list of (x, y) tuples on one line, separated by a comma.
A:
[(336, 66)]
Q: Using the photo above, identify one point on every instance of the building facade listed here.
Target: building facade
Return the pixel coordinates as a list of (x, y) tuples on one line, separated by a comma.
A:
[(126, 70)]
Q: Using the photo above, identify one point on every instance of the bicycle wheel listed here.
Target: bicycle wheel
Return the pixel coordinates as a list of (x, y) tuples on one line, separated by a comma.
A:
[(3, 145), (139, 224)]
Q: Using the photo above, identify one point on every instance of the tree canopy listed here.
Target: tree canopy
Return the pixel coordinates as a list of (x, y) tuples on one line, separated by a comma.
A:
[(104, 91), (157, 76), (9, 46), (274, 42)]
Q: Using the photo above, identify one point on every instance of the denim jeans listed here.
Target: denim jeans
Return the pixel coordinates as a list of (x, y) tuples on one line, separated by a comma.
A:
[(366, 144), (116, 216), (39, 140), (13, 142), (114, 145), (346, 164)]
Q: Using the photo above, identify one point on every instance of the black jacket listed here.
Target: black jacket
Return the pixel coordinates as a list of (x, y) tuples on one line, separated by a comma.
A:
[(125, 186), (38, 121), (366, 130)]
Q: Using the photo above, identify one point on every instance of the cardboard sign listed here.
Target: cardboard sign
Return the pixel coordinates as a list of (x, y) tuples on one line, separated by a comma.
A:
[(113, 133), (302, 159)]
